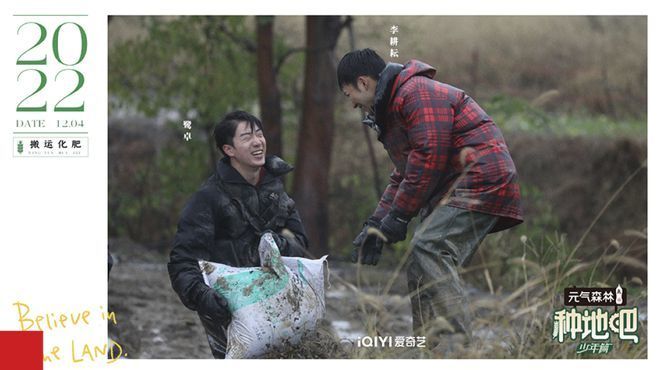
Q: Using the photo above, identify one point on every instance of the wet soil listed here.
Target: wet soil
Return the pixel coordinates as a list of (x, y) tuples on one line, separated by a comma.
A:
[(154, 324)]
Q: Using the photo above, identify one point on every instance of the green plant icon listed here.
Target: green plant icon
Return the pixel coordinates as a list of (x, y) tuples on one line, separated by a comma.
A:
[(20, 147)]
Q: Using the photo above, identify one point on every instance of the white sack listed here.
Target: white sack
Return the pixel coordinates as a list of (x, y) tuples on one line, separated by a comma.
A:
[(275, 304)]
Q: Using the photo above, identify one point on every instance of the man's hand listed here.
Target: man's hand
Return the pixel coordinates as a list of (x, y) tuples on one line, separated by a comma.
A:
[(367, 247), (282, 243), (369, 251), (211, 304), (394, 228)]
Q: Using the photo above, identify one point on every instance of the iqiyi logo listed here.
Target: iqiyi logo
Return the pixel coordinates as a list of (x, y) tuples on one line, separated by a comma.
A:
[(19, 147)]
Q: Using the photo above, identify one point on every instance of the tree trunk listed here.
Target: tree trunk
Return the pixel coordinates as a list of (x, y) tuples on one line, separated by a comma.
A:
[(365, 129), (311, 181), (269, 94)]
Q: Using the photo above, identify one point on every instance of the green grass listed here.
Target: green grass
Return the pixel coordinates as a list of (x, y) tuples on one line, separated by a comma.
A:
[(517, 115)]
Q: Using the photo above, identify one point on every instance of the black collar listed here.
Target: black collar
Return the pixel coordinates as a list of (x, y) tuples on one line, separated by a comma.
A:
[(275, 167), (382, 96)]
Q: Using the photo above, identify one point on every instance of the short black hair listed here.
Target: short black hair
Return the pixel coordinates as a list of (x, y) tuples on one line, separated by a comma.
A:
[(226, 129), (364, 62)]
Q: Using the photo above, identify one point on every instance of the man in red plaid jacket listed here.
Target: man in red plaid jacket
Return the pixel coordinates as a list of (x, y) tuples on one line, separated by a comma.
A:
[(451, 166)]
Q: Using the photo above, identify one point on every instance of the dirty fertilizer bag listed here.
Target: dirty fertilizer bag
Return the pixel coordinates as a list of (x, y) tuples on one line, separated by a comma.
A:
[(272, 305)]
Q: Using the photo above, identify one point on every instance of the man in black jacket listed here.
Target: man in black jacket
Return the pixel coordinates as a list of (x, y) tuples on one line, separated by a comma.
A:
[(225, 218)]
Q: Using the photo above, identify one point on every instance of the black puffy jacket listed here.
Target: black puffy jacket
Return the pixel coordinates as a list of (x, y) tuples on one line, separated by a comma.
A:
[(223, 221)]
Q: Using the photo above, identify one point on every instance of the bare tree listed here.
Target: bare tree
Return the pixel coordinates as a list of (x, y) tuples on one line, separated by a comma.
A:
[(269, 94), (311, 181), (365, 130)]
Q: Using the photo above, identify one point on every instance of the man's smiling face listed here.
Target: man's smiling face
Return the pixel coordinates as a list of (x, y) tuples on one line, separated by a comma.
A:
[(361, 94), (249, 147)]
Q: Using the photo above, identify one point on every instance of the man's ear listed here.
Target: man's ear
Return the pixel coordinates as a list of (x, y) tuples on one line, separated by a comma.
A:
[(229, 150), (362, 83)]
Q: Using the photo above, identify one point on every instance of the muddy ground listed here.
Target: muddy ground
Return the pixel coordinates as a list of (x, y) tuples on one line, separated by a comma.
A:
[(154, 324)]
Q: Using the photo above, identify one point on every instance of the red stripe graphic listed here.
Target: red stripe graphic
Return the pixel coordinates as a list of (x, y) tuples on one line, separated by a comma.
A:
[(21, 350)]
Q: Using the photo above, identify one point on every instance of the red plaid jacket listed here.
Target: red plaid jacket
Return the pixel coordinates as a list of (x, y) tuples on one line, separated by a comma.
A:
[(445, 148)]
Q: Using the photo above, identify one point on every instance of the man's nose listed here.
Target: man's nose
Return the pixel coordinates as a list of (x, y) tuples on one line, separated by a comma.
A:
[(258, 141)]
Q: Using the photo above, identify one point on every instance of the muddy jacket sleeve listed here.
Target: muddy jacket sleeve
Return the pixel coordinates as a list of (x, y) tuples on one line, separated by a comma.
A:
[(194, 236)]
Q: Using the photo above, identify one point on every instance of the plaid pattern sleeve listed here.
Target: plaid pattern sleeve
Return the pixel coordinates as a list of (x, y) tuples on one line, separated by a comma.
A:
[(428, 117), (386, 199)]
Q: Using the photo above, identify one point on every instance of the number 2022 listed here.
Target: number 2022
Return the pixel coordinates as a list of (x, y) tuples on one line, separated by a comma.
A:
[(42, 76)]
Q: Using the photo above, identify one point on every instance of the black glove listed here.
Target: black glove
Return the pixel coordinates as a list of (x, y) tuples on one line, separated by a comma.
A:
[(362, 236), (371, 250), (282, 243), (213, 305), (394, 227), (368, 247)]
